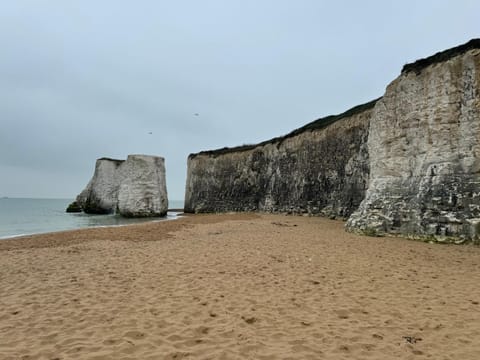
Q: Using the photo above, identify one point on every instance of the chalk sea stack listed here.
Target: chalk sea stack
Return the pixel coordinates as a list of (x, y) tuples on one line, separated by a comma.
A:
[(407, 163), (135, 187)]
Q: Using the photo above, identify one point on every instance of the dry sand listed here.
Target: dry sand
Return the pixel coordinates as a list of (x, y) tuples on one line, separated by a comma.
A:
[(236, 287)]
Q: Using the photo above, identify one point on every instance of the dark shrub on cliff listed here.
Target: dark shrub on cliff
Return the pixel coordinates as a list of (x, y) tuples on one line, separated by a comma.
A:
[(441, 56)]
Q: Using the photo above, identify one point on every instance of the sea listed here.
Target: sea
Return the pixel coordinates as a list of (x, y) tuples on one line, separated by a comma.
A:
[(24, 216)]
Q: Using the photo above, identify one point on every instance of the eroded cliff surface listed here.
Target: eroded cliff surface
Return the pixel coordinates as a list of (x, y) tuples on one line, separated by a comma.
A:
[(417, 151), (135, 187), (424, 146), (319, 169), (100, 195)]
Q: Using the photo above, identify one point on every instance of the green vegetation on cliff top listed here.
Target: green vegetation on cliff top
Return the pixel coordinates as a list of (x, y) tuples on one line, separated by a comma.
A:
[(441, 56)]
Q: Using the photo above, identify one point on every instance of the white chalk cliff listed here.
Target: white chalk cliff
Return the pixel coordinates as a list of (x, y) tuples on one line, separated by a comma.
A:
[(424, 146), (408, 163), (135, 187)]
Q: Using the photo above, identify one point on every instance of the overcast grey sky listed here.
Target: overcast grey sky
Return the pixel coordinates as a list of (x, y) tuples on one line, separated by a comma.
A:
[(83, 79)]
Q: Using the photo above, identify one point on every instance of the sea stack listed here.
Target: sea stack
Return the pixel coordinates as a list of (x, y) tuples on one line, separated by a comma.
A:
[(135, 187)]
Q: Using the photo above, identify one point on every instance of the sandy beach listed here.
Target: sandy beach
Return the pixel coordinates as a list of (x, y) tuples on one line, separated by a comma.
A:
[(243, 286)]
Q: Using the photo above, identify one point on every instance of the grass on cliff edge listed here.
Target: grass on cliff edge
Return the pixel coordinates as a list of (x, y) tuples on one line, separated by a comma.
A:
[(441, 56)]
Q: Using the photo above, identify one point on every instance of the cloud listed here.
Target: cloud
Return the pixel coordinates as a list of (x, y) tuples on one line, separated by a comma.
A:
[(86, 79)]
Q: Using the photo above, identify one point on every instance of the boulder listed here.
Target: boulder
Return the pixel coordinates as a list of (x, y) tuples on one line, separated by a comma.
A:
[(74, 207)]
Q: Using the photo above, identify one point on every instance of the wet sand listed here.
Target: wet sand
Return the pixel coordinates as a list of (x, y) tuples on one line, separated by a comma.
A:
[(236, 287)]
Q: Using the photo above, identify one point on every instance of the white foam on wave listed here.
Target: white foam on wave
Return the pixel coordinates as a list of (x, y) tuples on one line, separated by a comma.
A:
[(13, 236)]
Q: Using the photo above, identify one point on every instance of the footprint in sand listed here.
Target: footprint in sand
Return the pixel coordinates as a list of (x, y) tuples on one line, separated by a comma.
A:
[(135, 335), (342, 314), (174, 338), (202, 330), (178, 355), (368, 347), (110, 342), (249, 320), (343, 348)]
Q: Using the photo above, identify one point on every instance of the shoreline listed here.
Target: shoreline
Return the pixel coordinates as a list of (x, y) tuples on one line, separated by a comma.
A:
[(236, 286), (175, 213)]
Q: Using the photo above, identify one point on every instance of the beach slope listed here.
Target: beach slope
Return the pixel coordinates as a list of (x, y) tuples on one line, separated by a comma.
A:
[(244, 286)]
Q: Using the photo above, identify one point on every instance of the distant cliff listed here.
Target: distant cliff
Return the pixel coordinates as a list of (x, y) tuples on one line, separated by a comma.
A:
[(407, 163), (321, 168), (134, 187)]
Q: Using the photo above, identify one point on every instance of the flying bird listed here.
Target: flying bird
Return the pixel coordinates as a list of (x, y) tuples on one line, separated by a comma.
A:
[(150, 133), (196, 114)]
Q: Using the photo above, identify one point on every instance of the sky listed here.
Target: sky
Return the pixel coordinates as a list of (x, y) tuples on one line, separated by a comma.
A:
[(83, 79)]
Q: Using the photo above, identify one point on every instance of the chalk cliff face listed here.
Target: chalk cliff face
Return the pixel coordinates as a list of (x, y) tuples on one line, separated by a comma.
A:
[(134, 187), (424, 148), (321, 169), (417, 150)]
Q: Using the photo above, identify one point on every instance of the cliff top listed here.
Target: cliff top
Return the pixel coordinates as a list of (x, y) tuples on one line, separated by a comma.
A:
[(441, 56), (110, 159), (314, 125)]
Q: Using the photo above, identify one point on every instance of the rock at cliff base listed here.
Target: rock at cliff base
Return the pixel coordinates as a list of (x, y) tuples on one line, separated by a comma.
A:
[(74, 207)]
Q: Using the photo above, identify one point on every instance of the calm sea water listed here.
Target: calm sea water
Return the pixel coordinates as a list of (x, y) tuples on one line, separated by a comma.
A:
[(33, 216)]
